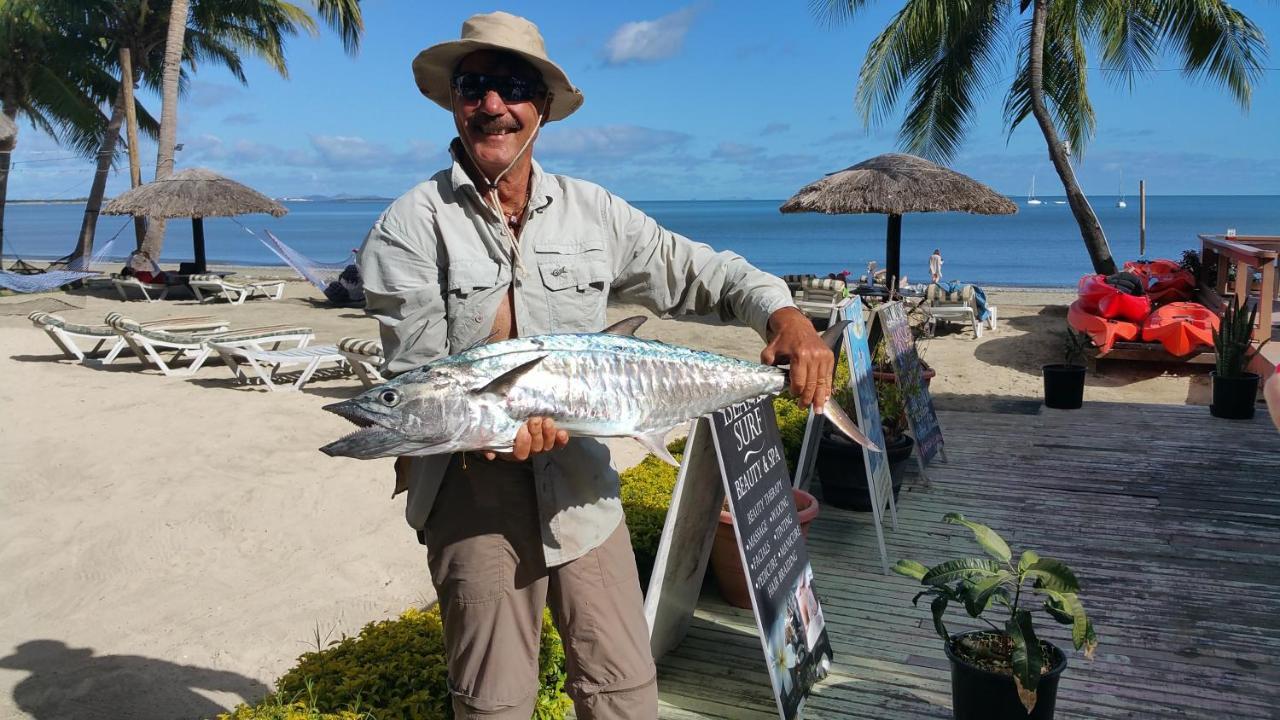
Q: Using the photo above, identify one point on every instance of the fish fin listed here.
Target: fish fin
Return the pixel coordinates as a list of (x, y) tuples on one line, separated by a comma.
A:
[(656, 443), (502, 384), (846, 426), (627, 326), (833, 335)]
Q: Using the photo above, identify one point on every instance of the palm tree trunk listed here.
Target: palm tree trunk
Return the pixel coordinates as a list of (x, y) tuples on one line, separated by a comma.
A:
[(131, 135), (1095, 241), (7, 144), (168, 115), (107, 153)]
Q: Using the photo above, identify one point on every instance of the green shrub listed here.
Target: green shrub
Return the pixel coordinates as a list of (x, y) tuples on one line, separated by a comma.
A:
[(393, 670)]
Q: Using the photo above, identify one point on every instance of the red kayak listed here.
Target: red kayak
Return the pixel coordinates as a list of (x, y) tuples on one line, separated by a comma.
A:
[(1181, 327), (1100, 298), (1165, 280), (1104, 332)]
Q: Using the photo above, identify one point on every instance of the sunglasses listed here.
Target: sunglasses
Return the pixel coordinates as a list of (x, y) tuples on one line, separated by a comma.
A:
[(474, 86)]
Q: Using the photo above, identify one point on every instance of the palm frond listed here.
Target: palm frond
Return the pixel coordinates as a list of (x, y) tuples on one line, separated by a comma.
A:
[(1127, 35), (1216, 42), (346, 18), (895, 56), (828, 12), (1065, 78)]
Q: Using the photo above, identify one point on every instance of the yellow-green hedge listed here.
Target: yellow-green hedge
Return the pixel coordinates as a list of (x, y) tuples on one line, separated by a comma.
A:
[(393, 670)]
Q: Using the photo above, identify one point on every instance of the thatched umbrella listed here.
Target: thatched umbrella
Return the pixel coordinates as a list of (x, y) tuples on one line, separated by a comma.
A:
[(896, 184), (196, 193)]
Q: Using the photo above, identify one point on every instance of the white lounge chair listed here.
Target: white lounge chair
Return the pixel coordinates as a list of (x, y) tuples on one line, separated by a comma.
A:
[(147, 290), (266, 364), (365, 358), (208, 288), (149, 343), (65, 334), (958, 306), (820, 298)]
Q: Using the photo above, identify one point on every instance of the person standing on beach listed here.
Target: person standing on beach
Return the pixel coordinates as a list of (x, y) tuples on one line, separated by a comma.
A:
[(492, 248), (935, 266)]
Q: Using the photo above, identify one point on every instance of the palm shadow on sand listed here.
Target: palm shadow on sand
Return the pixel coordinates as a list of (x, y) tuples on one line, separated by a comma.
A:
[(66, 683)]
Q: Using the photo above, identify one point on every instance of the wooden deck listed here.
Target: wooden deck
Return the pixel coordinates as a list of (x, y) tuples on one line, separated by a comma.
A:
[(1170, 517)]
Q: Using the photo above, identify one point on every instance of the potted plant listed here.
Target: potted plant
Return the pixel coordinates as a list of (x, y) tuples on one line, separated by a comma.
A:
[(1235, 390), (1064, 382), (839, 464), (1007, 671)]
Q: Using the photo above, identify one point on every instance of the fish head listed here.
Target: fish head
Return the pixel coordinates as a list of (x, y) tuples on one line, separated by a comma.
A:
[(423, 412)]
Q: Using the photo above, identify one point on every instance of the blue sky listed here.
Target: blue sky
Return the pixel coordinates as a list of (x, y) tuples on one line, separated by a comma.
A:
[(711, 100)]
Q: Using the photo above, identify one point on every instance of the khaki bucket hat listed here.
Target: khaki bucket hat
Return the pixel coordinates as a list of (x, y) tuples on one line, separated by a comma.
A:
[(433, 68)]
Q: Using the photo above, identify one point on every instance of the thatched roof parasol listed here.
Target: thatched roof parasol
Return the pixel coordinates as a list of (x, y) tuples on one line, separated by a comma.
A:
[(196, 193), (8, 130), (896, 184)]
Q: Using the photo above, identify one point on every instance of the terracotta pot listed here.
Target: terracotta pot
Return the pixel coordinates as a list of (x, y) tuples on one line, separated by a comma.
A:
[(890, 376), (725, 561)]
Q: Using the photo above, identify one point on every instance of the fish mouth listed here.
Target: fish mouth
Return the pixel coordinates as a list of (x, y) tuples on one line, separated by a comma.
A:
[(371, 440)]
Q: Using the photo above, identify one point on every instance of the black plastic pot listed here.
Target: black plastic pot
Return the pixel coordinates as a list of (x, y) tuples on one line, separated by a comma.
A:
[(1234, 398), (844, 476), (1063, 386), (978, 694)]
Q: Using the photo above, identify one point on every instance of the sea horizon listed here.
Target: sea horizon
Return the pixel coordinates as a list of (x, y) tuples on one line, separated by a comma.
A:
[(1039, 246)]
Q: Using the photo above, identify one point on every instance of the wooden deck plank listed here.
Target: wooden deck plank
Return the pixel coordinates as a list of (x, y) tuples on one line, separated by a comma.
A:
[(1170, 517)]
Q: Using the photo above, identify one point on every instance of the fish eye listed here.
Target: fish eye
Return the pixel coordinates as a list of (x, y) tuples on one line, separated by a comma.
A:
[(389, 397)]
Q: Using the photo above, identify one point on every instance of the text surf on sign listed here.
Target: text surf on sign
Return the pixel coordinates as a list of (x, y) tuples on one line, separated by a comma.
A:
[(771, 547), (910, 374)]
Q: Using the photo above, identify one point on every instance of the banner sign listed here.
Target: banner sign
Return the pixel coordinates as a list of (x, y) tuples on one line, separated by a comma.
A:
[(771, 547), (901, 347)]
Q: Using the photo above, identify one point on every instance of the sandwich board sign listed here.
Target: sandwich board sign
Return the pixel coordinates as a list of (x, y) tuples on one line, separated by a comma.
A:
[(876, 464), (741, 445), (921, 417)]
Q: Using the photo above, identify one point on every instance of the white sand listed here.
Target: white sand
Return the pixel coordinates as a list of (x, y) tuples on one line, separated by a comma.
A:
[(169, 546)]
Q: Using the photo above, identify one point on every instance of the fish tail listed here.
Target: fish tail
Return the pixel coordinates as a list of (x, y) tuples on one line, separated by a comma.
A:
[(846, 426)]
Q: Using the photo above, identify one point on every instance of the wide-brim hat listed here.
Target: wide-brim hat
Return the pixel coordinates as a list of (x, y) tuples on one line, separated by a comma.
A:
[(433, 68)]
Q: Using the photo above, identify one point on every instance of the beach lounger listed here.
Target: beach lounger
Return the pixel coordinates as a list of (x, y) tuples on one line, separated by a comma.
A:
[(65, 335), (956, 304), (266, 364), (820, 298), (123, 284), (208, 288), (365, 358), (150, 344)]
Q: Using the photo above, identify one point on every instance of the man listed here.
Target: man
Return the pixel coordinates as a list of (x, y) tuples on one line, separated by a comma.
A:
[(935, 266), (492, 248)]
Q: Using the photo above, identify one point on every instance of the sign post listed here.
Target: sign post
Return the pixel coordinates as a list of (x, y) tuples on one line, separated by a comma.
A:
[(921, 417), (863, 387), (742, 446)]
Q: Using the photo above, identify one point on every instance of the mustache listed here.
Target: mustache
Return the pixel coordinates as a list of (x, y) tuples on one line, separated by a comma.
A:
[(498, 124)]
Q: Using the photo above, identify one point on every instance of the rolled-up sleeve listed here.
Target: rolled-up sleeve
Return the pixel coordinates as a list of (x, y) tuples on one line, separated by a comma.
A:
[(402, 290), (673, 275)]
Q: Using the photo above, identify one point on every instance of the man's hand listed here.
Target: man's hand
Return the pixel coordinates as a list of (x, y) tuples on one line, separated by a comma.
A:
[(538, 434), (793, 340)]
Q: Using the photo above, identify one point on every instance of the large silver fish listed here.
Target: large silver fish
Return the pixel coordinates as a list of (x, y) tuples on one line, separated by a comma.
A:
[(608, 384)]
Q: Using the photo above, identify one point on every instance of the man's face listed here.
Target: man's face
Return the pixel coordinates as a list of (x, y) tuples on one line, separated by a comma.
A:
[(495, 129)]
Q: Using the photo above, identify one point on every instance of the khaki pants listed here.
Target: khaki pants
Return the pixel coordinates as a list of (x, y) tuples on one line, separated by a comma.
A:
[(484, 546)]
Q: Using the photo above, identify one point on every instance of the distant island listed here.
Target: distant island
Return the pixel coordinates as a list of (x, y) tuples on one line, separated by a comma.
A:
[(50, 201), (340, 197)]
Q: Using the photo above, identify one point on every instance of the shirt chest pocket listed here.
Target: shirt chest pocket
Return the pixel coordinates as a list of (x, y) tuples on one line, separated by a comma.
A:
[(577, 289), (471, 289)]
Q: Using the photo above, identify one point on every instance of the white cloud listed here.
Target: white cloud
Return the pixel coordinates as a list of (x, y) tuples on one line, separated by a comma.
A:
[(610, 141), (650, 40)]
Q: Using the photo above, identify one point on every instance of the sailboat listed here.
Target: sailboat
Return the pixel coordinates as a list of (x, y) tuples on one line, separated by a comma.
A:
[(1121, 203), (1031, 194)]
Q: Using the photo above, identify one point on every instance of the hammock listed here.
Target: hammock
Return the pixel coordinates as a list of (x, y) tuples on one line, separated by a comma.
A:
[(320, 274), (77, 269)]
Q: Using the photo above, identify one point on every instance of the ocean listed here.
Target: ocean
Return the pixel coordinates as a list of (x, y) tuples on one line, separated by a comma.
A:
[(1040, 246)]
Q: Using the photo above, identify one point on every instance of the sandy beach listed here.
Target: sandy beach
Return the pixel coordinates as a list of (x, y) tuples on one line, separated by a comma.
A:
[(170, 545)]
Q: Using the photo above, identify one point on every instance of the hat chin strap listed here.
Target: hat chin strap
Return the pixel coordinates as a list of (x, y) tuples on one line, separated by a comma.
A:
[(492, 194)]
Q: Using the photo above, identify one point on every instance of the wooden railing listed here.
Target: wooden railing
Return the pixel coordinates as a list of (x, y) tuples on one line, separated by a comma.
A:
[(1247, 254)]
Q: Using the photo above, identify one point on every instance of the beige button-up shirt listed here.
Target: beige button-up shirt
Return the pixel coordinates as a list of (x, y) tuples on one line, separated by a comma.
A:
[(437, 263)]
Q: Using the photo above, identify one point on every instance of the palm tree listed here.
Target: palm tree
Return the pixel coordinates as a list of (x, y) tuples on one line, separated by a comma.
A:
[(47, 76), (274, 20), (945, 52)]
